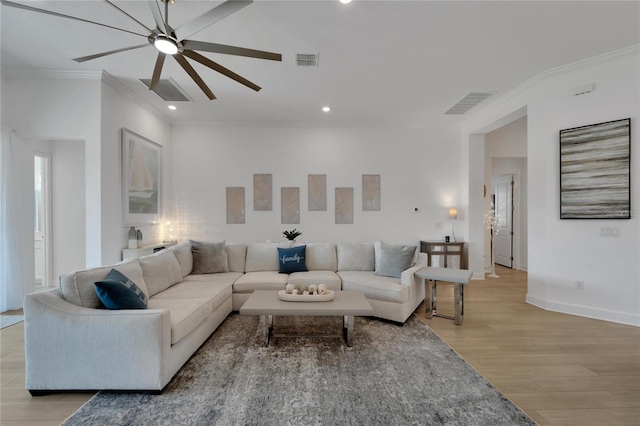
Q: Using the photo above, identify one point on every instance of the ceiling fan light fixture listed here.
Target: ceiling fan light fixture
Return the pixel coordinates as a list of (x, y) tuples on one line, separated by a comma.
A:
[(166, 45)]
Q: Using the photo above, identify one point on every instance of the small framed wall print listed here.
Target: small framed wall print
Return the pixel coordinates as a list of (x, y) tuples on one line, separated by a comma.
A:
[(370, 193), (595, 171), (344, 206), (235, 205), (290, 205), (262, 192), (317, 185)]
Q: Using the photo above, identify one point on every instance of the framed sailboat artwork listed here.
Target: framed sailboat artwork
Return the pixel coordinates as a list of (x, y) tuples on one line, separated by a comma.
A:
[(141, 179)]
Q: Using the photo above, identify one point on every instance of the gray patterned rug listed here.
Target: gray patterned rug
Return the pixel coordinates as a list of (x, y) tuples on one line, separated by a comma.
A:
[(391, 376)]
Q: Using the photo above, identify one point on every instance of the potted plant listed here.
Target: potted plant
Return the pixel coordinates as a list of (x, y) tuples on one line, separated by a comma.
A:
[(291, 235)]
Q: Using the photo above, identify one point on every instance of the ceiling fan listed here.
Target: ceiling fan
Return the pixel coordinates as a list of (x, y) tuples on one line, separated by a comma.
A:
[(174, 42)]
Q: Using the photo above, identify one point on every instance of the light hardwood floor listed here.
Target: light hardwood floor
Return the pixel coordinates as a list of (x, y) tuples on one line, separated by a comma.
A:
[(560, 369)]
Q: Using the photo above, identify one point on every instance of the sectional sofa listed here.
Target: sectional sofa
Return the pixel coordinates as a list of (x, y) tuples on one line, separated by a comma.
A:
[(73, 343)]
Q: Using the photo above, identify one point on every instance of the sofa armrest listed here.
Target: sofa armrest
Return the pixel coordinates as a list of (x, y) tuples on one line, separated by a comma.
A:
[(407, 276), (72, 347)]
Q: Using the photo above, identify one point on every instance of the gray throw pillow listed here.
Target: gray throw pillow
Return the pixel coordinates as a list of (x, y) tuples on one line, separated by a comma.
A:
[(209, 258), (393, 259)]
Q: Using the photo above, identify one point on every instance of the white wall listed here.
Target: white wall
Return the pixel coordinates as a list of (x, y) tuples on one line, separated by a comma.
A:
[(120, 111), (562, 251), (418, 168), (505, 153), (67, 206)]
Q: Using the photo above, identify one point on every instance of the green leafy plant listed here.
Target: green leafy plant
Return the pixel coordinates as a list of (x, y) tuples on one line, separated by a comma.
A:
[(291, 235)]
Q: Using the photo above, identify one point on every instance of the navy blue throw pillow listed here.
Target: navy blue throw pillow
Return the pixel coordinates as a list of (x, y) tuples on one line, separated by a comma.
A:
[(292, 259), (119, 292)]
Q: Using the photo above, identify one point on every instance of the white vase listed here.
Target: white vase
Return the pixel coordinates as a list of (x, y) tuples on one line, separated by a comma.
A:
[(133, 238)]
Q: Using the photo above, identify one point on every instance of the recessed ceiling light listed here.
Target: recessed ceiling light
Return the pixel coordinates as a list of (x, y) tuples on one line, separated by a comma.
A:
[(326, 109), (345, 1), (172, 107)]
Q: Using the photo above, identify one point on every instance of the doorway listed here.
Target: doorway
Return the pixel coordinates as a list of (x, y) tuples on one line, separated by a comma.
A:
[(42, 219), (504, 209)]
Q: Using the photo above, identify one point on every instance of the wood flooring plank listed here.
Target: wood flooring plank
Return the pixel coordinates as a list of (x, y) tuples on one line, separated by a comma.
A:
[(588, 417), (632, 397), (611, 383), (610, 369), (533, 371), (543, 359), (567, 400)]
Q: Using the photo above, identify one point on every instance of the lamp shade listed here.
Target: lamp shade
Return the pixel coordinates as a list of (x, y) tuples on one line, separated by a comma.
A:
[(453, 213)]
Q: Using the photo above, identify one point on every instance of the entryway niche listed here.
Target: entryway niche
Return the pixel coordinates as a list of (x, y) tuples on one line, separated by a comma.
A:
[(59, 213), (506, 182)]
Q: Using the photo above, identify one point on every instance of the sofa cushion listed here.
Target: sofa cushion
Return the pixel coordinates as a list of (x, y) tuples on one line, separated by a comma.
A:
[(374, 286), (392, 260), (78, 287), (236, 256), (216, 292), (355, 257), (264, 280), (186, 314), (222, 278), (292, 259), (321, 256), (119, 292), (263, 256), (209, 258), (305, 279), (160, 270), (184, 256)]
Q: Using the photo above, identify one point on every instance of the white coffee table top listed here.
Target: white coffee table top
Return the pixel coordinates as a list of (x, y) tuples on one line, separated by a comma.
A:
[(266, 302)]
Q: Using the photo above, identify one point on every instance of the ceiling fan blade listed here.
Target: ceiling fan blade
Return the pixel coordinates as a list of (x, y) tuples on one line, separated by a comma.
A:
[(194, 75), (230, 50), (157, 71), (100, 55), (222, 70), (208, 18), (157, 16), (134, 19), (60, 15)]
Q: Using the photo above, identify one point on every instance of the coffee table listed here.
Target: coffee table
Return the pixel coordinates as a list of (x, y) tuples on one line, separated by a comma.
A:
[(267, 305)]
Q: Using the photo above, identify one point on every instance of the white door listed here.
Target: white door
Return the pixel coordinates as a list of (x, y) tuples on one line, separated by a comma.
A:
[(503, 235), (41, 169)]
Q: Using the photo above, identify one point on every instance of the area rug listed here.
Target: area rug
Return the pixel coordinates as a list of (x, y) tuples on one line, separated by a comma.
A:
[(393, 375), (7, 320)]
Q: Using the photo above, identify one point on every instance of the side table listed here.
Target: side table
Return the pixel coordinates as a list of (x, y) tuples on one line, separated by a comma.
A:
[(459, 277), (442, 248)]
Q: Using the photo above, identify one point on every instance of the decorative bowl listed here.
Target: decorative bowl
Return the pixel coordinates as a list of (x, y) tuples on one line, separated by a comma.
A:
[(328, 296)]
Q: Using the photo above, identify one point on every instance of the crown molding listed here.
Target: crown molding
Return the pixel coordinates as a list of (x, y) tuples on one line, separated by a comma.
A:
[(134, 97), (51, 73), (563, 69)]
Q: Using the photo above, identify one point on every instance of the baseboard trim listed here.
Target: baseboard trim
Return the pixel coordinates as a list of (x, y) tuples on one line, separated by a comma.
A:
[(478, 276), (584, 311)]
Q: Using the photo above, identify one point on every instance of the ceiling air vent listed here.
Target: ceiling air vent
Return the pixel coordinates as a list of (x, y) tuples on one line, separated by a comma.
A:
[(465, 104), (168, 90), (307, 59)]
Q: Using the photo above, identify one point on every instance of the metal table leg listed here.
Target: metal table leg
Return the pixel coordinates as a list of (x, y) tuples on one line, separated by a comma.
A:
[(348, 324), (430, 299), (266, 322), (458, 301)]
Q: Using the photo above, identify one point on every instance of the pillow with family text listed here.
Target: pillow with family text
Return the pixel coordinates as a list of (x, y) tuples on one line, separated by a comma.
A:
[(292, 259)]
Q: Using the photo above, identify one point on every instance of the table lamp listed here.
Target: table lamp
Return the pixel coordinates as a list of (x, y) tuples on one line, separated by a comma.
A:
[(453, 215)]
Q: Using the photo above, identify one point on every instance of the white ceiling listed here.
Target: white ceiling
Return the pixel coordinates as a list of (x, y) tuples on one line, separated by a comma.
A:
[(384, 62)]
